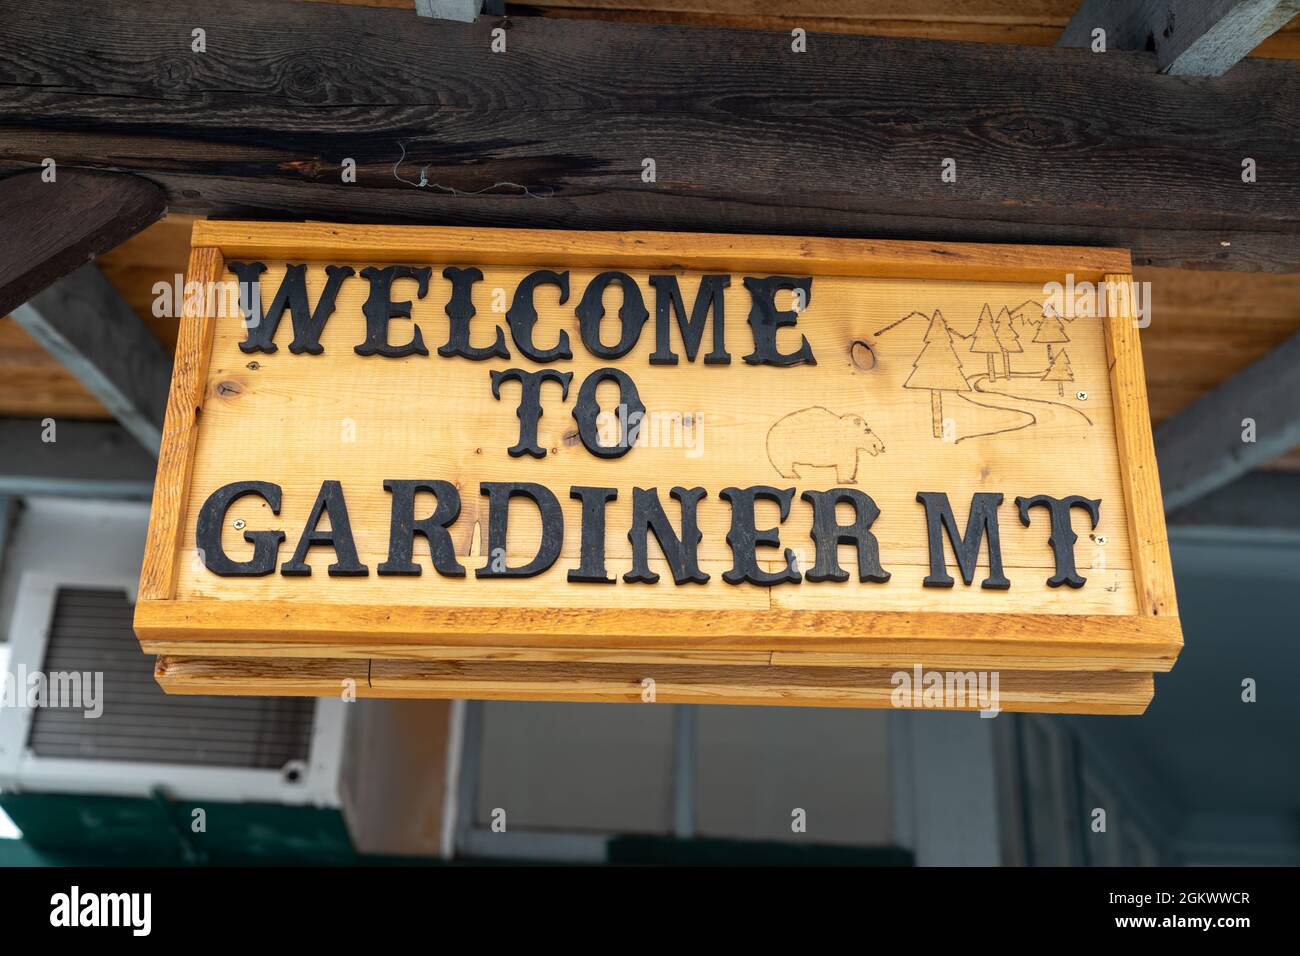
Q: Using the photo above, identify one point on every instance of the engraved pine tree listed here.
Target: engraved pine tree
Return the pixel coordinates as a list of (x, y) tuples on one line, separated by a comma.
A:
[(1050, 331), (984, 340), (938, 368), (1007, 339), (1059, 372)]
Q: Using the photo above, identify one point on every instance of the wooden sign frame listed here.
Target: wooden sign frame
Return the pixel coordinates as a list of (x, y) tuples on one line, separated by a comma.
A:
[(787, 656)]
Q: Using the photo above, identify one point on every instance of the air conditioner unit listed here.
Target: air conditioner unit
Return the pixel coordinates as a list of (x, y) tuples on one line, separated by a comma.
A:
[(102, 725)]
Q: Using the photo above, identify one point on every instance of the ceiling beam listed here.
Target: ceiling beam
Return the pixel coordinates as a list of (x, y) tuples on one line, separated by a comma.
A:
[(86, 324), (1239, 425), (80, 459), (560, 130), (1189, 37), (1267, 502), (463, 11), (52, 227)]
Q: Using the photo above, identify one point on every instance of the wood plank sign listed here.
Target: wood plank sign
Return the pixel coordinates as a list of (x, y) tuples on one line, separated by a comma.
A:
[(435, 462)]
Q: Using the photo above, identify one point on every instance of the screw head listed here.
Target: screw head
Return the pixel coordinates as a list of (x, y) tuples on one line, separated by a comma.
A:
[(1081, 396), (239, 524)]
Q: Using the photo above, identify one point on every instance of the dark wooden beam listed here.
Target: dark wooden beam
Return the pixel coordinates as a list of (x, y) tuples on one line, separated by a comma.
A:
[(1203, 447), (51, 228), (1189, 37), (847, 139), (84, 459), (86, 324)]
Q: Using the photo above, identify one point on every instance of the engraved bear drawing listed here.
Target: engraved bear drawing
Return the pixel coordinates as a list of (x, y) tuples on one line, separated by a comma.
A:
[(819, 438)]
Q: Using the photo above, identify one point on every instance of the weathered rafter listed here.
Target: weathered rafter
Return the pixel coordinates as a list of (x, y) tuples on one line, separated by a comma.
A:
[(464, 11), (1189, 37), (847, 139), (1259, 501), (1243, 423), (48, 229), (83, 459), (86, 324)]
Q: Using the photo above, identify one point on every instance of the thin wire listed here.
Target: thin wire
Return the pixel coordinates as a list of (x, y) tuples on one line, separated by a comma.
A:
[(424, 182)]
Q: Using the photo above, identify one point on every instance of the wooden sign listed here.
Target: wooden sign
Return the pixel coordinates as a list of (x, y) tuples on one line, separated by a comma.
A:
[(630, 466)]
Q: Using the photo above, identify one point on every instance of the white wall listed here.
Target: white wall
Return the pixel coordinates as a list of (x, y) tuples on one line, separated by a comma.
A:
[(69, 537), (756, 765), (608, 768)]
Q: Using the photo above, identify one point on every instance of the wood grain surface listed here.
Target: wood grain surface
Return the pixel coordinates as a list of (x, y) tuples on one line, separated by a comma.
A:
[(300, 419), (1051, 418), (846, 139), (1079, 693)]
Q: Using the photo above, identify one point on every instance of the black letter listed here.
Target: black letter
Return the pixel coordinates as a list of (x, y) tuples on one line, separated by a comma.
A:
[(403, 528), (631, 314), (338, 537), (548, 549), (744, 538), (829, 534), (307, 325), (523, 316), (379, 308), (765, 319), (668, 297), (630, 411), (591, 569), (460, 309), (530, 403), (983, 516), (1063, 537), (648, 516), (207, 534)]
